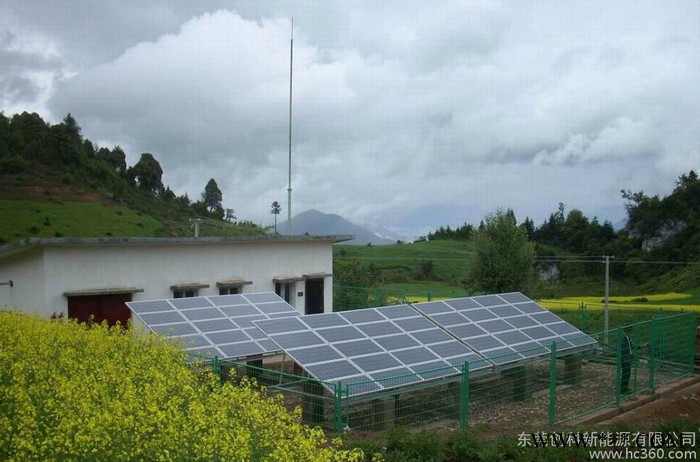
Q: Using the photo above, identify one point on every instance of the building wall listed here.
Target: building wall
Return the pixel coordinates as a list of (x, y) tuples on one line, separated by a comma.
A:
[(155, 268), (27, 273)]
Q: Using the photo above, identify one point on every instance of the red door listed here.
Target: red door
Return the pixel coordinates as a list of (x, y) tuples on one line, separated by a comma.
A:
[(98, 308)]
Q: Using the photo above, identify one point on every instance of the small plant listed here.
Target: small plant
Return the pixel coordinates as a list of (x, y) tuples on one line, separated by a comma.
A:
[(47, 222), (58, 234), (34, 230), (414, 446)]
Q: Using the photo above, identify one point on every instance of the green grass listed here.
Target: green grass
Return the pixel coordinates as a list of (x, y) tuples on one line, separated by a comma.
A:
[(434, 288), (399, 266), (401, 262), (33, 218)]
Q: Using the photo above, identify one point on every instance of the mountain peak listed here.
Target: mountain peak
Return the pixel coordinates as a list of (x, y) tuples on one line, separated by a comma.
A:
[(315, 222)]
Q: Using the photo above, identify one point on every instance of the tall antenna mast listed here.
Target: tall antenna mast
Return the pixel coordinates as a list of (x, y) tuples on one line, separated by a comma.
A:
[(289, 187)]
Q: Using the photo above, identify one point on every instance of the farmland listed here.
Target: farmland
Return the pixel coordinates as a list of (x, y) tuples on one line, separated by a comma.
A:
[(71, 393)]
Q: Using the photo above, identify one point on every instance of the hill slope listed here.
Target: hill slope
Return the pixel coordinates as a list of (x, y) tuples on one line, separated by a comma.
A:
[(54, 182), (319, 223), (72, 218)]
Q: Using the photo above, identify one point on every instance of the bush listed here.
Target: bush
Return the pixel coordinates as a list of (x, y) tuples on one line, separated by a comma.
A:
[(72, 393), (414, 446)]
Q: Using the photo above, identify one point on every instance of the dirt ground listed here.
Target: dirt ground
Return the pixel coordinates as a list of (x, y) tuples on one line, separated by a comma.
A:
[(678, 405), (683, 404)]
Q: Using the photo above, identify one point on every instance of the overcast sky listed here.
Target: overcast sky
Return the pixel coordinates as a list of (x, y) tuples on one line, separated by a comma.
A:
[(407, 115)]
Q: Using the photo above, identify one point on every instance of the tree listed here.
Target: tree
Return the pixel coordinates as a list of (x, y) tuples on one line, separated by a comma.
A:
[(212, 196), (148, 173), (425, 270), (66, 142), (352, 281), (276, 208), (230, 215), (528, 227), (504, 257)]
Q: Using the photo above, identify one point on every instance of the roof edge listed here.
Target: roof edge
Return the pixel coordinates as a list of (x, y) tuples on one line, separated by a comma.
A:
[(35, 242)]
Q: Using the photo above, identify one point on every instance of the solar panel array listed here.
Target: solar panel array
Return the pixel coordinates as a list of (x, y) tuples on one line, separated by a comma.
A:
[(361, 346), (219, 325), (504, 328), (404, 343)]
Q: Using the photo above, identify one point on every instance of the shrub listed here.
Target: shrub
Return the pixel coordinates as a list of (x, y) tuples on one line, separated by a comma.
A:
[(414, 446), (68, 392)]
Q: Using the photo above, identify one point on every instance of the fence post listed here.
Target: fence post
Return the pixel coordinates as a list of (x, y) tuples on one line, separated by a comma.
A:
[(618, 365), (692, 339), (338, 407), (216, 367), (347, 406), (652, 353), (553, 384), (635, 356), (464, 398)]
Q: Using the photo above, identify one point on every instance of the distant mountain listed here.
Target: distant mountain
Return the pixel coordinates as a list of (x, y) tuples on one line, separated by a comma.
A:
[(319, 223)]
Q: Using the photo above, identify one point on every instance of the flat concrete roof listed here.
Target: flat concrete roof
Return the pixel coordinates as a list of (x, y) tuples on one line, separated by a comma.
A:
[(36, 242)]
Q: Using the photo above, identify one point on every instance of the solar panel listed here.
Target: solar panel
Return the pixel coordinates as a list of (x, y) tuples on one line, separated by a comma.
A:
[(505, 327), (376, 348), (219, 325)]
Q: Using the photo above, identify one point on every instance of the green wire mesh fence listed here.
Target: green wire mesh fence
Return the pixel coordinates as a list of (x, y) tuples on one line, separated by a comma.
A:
[(350, 298), (548, 387)]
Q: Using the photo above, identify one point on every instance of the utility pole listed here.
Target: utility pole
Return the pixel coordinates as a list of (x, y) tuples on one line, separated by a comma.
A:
[(289, 184), (195, 224), (607, 294)]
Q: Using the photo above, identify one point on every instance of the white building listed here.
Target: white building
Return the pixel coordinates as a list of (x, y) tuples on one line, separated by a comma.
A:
[(83, 277)]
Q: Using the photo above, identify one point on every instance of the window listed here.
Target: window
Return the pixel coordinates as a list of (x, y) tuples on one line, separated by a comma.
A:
[(187, 290), (184, 293), (232, 286), (231, 290), (285, 290)]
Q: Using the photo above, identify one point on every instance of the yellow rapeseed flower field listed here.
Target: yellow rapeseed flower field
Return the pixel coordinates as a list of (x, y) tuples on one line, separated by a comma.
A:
[(72, 393), (669, 301)]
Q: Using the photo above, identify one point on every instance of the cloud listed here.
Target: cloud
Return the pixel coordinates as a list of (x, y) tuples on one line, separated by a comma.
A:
[(27, 64), (622, 139), (405, 117)]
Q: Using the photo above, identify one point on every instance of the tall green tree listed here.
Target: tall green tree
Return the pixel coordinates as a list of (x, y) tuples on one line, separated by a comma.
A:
[(148, 173), (275, 209), (504, 257), (65, 142), (212, 196)]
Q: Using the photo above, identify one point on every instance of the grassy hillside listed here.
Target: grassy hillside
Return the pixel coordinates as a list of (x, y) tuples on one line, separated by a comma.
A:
[(33, 218), (402, 262)]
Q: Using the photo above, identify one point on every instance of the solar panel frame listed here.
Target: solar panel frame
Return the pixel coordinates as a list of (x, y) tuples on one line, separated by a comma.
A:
[(510, 321), (219, 325), (393, 341)]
